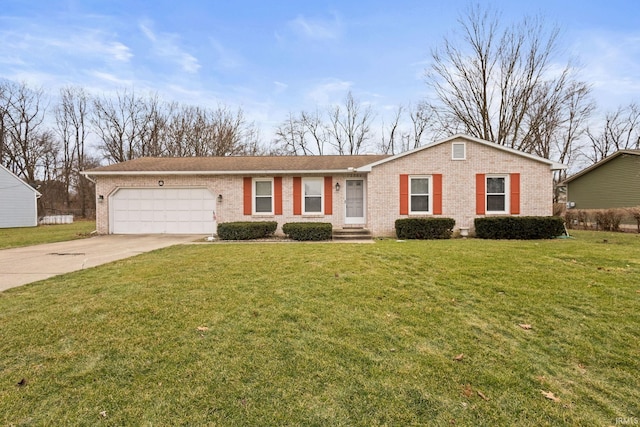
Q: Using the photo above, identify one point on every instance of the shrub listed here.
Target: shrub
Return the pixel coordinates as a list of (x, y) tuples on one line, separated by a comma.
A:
[(519, 227), (424, 228), (609, 219), (577, 218), (305, 231), (635, 214), (246, 230)]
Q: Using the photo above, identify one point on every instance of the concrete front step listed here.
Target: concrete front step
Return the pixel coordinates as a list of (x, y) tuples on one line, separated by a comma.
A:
[(351, 234)]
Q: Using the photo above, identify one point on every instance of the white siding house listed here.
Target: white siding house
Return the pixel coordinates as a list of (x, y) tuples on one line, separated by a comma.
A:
[(18, 201)]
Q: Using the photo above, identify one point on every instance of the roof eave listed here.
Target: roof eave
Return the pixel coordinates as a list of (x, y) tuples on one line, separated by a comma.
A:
[(553, 165), (242, 172), (598, 164)]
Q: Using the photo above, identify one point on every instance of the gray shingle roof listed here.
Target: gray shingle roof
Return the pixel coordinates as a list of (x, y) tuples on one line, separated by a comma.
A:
[(238, 164)]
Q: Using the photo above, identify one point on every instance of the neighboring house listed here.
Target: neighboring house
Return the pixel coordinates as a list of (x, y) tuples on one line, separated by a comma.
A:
[(18, 201), (613, 182), (459, 177)]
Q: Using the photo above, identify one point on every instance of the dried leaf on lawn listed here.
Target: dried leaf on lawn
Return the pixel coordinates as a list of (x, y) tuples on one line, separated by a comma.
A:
[(549, 395), (525, 326), (203, 328), (467, 390), (481, 394), (459, 357), (103, 414)]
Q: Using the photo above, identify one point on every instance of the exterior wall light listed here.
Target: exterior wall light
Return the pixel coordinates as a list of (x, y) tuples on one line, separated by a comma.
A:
[(219, 197), (337, 186), (161, 183), (100, 198)]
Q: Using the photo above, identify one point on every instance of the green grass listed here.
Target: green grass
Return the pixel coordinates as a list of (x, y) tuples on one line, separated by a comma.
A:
[(27, 236), (332, 334)]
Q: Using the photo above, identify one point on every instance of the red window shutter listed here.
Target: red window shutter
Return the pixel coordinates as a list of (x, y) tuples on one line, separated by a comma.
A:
[(277, 195), (297, 195), (515, 193), (404, 194), (437, 194), (247, 195), (480, 194), (328, 195)]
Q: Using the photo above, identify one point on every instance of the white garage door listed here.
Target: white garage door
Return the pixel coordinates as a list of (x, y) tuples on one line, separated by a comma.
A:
[(162, 211)]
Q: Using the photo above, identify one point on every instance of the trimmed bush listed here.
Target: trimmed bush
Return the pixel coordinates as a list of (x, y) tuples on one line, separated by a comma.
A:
[(246, 230), (519, 227), (609, 219), (635, 214), (424, 228), (308, 231), (577, 218)]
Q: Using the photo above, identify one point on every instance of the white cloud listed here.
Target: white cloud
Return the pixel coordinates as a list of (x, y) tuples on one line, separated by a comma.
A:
[(611, 64), (330, 92), (280, 87), (226, 59), (317, 29), (166, 45), (111, 78), (37, 44)]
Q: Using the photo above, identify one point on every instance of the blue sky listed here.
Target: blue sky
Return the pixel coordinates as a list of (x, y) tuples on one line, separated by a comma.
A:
[(275, 57)]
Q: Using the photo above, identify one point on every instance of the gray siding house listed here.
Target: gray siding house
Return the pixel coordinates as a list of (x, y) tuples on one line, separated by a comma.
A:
[(613, 182), (18, 201)]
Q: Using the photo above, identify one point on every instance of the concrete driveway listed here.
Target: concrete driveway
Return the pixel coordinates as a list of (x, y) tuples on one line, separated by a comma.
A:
[(20, 266)]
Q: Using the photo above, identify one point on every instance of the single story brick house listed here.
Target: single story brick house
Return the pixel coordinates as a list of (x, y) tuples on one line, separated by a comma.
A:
[(609, 183), (18, 201), (460, 177)]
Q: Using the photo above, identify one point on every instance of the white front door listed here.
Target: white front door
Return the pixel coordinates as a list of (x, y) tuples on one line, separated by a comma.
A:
[(354, 202)]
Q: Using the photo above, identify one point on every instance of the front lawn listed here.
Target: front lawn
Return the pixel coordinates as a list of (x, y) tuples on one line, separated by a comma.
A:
[(27, 236), (454, 332)]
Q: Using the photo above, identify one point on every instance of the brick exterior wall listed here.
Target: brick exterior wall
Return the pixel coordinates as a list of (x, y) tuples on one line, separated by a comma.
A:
[(230, 187), (381, 188), (458, 183)]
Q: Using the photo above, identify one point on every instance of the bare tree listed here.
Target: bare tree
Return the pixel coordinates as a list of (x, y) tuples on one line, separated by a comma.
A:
[(392, 135), (117, 123), (316, 129), (498, 83), (153, 125), (194, 131), (72, 116), (227, 132), (350, 126), (291, 137), (620, 131), (4, 106), (422, 119), (25, 138), (305, 134)]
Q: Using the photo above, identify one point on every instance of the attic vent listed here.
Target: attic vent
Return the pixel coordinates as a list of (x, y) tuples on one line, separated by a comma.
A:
[(458, 151)]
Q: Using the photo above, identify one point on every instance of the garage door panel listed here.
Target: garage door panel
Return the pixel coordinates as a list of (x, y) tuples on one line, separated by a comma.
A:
[(162, 210)]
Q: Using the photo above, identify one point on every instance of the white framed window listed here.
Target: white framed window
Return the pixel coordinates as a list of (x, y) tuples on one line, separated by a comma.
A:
[(458, 151), (263, 196), (313, 195), (497, 194), (420, 194)]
